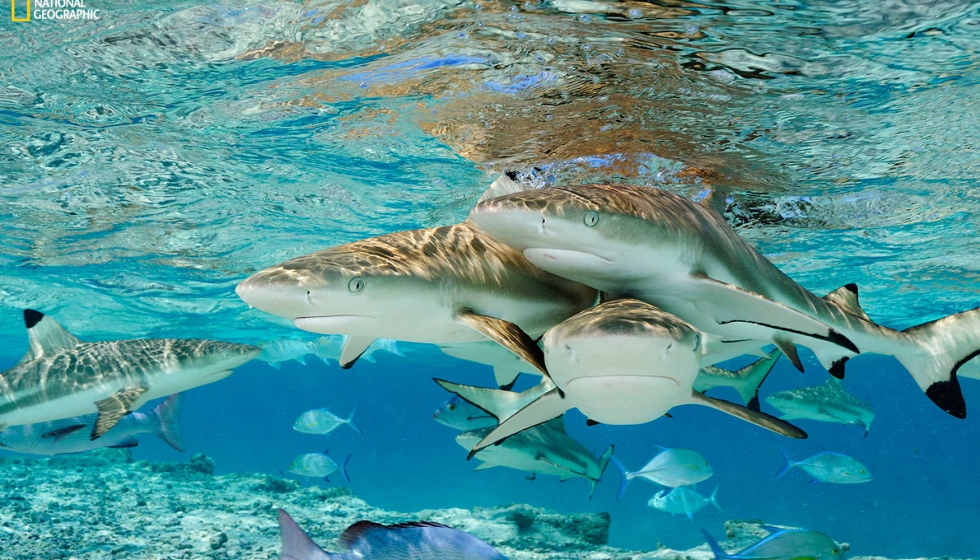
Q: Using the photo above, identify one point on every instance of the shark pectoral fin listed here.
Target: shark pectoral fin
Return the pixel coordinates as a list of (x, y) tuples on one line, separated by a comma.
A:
[(60, 433), (505, 377), (495, 402), (113, 408), (547, 406), (508, 335), (728, 304), (354, 347), (787, 347), (760, 419)]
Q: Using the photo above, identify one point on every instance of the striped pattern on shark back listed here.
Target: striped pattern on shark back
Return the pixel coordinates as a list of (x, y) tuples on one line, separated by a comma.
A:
[(625, 317), (428, 254)]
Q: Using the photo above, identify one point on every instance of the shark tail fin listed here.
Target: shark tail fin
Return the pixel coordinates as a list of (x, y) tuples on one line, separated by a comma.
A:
[(603, 462), (624, 480), (753, 376), (714, 500), (295, 544), (715, 548), (787, 466), (505, 377), (167, 415), (933, 353), (390, 346), (350, 421)]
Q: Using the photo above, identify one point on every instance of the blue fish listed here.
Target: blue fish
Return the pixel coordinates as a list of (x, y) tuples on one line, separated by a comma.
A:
[(419, 540), (783, 544), (461, 415)]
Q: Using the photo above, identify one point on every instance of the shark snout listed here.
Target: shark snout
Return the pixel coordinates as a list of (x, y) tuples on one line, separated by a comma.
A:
[(276, 294)]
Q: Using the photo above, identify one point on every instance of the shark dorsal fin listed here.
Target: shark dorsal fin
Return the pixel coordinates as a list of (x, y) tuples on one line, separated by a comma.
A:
[(504, 185), (556, 424), (45, 335), (846, 298)]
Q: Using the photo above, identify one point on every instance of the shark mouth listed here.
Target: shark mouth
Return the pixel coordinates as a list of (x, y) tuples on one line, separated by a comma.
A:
[(331, 324), (566, 258)]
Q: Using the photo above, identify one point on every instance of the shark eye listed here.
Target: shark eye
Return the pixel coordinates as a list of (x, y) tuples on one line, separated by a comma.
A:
[(452, 407), (356, 285), (591, 218)]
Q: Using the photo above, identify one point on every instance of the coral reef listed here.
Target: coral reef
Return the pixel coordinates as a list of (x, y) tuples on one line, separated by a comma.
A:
[(104, 505)]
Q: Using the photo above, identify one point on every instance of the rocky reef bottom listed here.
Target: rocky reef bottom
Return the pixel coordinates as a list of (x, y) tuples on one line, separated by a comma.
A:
[(103, 505)]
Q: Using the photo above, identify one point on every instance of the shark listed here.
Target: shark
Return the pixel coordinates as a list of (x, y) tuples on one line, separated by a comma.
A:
[(746, 380), (621, 362), (682, 256), (827, 403), (543, 449), (64, 377), (444, 285)]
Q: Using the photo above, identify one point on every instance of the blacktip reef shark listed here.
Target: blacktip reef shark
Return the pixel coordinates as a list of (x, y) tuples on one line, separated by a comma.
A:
[(62, 376), (827, 403), (443, 285), (621, 362), (653, 245), (545, 449)]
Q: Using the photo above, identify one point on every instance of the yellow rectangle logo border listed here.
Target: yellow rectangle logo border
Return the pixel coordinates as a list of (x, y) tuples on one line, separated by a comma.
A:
[(13, 11)]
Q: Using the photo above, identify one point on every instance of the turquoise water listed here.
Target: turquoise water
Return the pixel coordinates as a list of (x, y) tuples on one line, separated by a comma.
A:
[(152, 160)]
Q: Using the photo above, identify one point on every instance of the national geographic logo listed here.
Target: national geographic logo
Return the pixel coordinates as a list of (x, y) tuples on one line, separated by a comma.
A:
[(26, 10)]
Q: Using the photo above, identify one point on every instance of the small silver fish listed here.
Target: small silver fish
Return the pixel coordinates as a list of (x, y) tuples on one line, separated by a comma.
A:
[(318, 465), (791, 544), (828, 466), (71, 435), (461, 415), (418, 540), (274, 352), (683, 500), (322, 421), (670, 467)]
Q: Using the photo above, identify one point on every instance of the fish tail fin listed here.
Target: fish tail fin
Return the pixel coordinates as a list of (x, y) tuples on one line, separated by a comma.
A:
[(295, 544), (754, 376), (715, 548), (390, 346), (933, 353), (343, 468), (603, 463), (714, 500), (624, 481), (786, 467), (167, 415), (350, 421)]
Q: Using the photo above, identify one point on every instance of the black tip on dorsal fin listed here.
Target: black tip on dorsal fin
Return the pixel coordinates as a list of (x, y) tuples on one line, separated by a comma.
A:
[(852, 287), (32, 317), (512, 175)]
